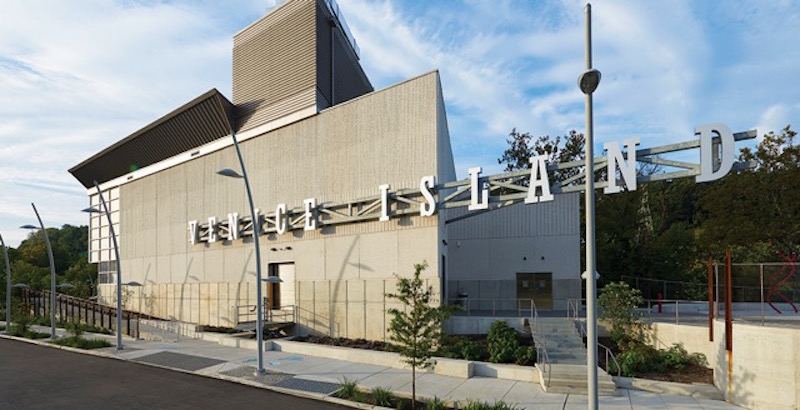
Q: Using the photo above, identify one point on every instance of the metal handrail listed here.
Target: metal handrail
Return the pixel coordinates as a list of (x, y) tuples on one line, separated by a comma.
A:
[(582, 331), (541, 350), (245, 311), (468, 304)]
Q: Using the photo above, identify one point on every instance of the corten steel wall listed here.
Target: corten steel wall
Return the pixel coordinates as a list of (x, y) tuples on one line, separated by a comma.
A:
[(489, 249), (392, 136)]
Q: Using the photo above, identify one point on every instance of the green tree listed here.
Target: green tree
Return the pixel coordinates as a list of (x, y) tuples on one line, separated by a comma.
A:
[(617, 302), (559, 149), (757, 206), (416, 330)]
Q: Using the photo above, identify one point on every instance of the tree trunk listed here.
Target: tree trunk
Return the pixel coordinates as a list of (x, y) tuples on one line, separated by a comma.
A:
[(413, 388)]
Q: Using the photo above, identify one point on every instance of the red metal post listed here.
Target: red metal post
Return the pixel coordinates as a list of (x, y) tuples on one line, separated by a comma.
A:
[(710, 298), (728, 303)]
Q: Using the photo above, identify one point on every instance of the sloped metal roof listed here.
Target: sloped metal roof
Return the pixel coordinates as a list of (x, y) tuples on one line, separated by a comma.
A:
[(198, 122)]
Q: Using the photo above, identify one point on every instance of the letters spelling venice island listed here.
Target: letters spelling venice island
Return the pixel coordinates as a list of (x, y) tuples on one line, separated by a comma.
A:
[(539, 189)]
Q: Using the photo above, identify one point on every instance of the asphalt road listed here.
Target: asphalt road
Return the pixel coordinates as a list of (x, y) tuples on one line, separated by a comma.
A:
[(38, 377)]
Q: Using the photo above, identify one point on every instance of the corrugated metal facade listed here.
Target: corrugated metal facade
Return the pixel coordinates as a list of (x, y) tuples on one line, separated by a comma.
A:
[(198, 122), (294, 58), (557, 217), (274, 64)]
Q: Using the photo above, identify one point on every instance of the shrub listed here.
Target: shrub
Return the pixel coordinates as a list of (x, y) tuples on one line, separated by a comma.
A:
[(617, 302), (526, 355), (381, 397), (480, 405), (472, 350), (503, 342), (435, 404), (349, 390), (82, 343)]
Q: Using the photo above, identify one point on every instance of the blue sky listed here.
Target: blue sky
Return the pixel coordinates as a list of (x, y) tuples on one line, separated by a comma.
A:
[(76, 77)]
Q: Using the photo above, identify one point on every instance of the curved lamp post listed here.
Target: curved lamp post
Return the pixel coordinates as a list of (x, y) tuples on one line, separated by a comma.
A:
[(52, 271), (116, 254), (8, 285), (588, 82), (256, 228)]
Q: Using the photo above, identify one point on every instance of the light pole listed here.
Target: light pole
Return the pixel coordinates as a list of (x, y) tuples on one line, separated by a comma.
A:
[(588, 82), (256, 228), (116, 254), (52, 272), (8, 286)]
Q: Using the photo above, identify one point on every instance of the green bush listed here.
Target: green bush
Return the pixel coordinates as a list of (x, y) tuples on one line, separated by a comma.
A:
[(526, 355), (617, 302), (349, 390), (503, 342), (480, 405), (82, 343), (381, 397), (642, 358), (435, 404), (472, 350)]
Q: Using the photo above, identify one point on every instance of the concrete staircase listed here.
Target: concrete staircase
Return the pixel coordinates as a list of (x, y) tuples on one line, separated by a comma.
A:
[(567, 356)]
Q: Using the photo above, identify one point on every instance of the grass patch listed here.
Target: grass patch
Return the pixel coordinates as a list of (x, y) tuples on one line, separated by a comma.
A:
[(82, 343)]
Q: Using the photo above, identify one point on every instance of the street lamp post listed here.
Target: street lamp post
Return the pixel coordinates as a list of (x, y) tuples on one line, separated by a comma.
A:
[(588, 82), (117, 260), (52, 272), (8, 286), (256, 228)]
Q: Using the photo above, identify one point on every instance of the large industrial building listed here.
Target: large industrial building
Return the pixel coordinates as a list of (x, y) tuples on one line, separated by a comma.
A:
[(350, 183)]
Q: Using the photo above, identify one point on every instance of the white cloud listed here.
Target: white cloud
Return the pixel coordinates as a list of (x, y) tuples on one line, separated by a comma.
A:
[(78, 76)]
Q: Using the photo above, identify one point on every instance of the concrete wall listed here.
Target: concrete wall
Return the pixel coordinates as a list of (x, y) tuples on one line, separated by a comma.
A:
[(342, 154), (764, 369)]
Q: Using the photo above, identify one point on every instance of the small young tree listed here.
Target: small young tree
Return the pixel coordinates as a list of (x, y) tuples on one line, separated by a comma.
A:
[(617, 302), (416, 330)]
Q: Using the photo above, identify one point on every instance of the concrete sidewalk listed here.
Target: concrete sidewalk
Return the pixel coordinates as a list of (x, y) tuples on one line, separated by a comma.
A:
[(318, 377)]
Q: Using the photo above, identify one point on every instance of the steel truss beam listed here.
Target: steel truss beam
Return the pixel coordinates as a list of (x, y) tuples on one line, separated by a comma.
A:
[(504, 189)]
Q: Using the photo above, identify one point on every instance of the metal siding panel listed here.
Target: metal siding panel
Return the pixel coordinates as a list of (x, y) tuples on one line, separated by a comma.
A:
[(274, 60)]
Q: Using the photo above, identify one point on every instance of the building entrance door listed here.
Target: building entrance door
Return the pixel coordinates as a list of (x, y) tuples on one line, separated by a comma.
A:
[(536, 286), (281, 293)]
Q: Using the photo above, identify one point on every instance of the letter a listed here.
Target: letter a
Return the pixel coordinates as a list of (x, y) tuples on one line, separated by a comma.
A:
[(539, 179)]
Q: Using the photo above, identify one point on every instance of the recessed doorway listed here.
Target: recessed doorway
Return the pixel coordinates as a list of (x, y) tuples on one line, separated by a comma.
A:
[(536, 286)]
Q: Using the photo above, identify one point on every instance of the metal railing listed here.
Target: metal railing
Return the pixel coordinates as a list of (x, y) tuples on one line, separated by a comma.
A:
[(541, 349), (283, 314), (76, 309), (495, 307), (573, 313)]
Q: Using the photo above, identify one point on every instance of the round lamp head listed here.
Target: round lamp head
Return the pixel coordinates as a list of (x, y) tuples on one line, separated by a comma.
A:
[(29, 227), (589, 81), (227, 172)]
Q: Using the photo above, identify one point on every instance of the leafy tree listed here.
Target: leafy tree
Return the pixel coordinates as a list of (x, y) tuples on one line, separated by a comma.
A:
[(758, 206), (523, 145), (617, 303), (415, 330)]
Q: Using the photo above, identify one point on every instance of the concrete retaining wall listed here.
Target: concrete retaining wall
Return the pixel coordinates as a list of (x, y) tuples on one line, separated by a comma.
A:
[(763, 370)]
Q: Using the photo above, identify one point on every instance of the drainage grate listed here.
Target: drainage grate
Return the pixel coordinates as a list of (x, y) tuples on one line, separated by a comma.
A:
[(179, 361), (311, 386)]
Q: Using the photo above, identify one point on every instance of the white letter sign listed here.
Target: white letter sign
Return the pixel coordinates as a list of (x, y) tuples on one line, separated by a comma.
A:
[(309, 205), (193, 232), (477, 202), (617, 162), (539, 179), (212, 229), (233, 226), (280, 219), (384, 202), (727, 156), (428, 207)]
